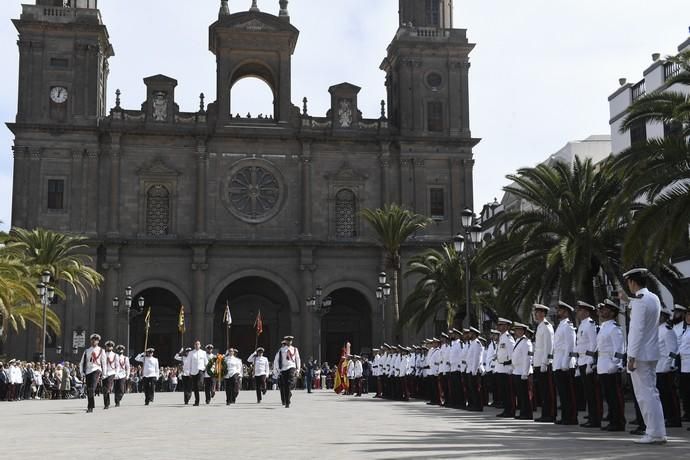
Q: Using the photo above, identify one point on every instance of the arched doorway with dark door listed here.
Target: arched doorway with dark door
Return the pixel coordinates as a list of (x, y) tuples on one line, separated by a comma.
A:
[(349, 320), (245, 298), (163, 333)]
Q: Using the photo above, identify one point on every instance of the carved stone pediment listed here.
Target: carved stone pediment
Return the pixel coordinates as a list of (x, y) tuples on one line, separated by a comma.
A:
[(254, 25), (347, 173), (158, 169)]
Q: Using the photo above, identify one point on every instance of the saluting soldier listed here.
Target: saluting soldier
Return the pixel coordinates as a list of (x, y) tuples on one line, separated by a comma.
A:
[(522, 371), (610, 363), (563, 364), (209, 385), (504, 368), (232, 376), (288, 364), (92, 367), (543, 356), (643, 354), (665, 370), (198, 360), (183, 357), (149, 374), (261, 370), (111, 369), (585, 347), (122, 375)]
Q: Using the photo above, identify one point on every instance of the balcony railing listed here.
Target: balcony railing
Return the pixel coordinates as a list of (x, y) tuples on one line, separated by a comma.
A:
[(671, 69), (639, 90)]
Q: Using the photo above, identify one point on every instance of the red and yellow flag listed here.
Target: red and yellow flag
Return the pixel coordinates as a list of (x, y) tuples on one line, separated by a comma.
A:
[(180, 321), (259, 324)]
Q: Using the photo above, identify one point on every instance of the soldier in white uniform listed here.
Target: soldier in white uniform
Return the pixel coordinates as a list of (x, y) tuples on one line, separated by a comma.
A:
[(432, 361), (150, 373), (92, 367), (456, 397), (288, 363), (490, 366), (183, 357), (475, 355), (585, 347), (563, 364), (233, 376), (543, 372), (209, 384), (666, 370), (123, 369), (111, 370), (679, 324), (522, 371), (610, 355), (643, 354), (261, 370), (198, 360), (358, 374), (504, 368)]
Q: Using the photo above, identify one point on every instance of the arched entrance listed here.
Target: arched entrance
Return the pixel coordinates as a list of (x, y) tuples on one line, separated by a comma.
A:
[(163, 334), (246, 297), (349, 320)]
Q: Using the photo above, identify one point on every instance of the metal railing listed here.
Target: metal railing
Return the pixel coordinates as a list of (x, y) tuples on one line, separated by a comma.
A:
[(639, 90), (671, 69)]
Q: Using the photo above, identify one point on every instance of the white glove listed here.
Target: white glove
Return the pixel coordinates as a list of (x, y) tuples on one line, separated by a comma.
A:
[(524, 377), (544, 368)]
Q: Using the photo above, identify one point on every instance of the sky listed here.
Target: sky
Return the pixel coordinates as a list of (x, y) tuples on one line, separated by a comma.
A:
[(541, 72)]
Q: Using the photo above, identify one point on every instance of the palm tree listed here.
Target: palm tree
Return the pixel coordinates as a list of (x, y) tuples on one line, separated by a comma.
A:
[(393, 226), (44, 250), (565, 239), (657, 171), (440, 286)]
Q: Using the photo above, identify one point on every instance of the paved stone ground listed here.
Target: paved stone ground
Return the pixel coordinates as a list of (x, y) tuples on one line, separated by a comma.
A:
[(320, 425)]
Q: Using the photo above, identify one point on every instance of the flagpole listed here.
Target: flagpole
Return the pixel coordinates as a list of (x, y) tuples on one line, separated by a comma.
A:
[(148, 325)]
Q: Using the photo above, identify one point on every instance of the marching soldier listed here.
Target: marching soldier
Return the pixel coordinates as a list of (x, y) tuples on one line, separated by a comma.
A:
[(522, 371), (122, 375), (643, 354), (288, 364), (585, 345), (209, 385), (183, 357), (150, 373), (111, 370), (564, 363), (232, 376), (610, 362), (665, 370), (543, 355), (504, 368), (261, 370), (92, 367), (198, 360)]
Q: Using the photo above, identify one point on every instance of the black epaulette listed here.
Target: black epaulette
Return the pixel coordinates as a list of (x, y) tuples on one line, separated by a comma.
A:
[(591, 320), (616, 324), (598, 329), (547, 322), (638, 296)]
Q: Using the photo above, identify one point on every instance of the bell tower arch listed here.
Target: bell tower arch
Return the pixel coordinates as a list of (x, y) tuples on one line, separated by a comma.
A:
[(253, 44)]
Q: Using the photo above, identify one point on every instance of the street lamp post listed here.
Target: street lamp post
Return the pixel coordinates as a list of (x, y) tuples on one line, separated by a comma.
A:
[(473, 236), (383, 291), (46, 293), (320, 307), (128, 306)]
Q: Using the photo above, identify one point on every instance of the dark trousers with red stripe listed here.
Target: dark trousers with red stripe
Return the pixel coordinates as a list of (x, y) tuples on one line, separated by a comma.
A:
[(524, 396), (685, 392), (505, 381), (566, 393), (592, 395), (612, 388), (475, 390), (546, 392), (441, 384), (665, 383)]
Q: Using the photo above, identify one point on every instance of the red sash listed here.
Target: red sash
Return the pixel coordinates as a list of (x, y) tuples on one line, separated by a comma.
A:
[(112, 361), (95, 358)]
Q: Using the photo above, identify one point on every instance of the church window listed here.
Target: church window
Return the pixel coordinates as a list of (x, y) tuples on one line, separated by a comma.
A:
[(437, 208), (433, 13), (638, 132), (56, 194), (157, 211), (345, 214), (435, 116)]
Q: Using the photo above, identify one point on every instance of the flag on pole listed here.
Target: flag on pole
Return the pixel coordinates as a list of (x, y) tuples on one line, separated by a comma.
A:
[(227, 318), (180, 321), (147, 319), (259, 324)]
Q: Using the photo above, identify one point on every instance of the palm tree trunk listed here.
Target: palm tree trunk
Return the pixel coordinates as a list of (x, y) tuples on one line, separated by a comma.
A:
[(396, 300)]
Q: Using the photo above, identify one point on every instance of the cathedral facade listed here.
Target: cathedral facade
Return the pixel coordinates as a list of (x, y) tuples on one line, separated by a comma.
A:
[(205, 209)]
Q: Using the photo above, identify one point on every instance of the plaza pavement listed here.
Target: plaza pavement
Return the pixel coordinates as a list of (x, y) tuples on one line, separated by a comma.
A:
[(321, 425)]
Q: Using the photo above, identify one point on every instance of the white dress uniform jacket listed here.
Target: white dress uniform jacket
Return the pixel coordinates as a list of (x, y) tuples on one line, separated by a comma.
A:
[(506, 343), (432, 362), (543, 346), (260, 363), (445, 359), (454, 355), (679, 329), (668, 350), (490, 359), (151, 368), (198, 360), (643, 336), (93, 360), (610, 348), (375, 366), (15, 375), (475, 354), (522, 359), (234, 366), (358, 369), (351, 370), (123, 367), (112, 364), (564, 346), (464, 349), (290, 358), (586, 343), (186, 364)]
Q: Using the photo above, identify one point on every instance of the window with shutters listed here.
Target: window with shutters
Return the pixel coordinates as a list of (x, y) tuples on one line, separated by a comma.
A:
[(433, 13), (345, 214), (157, 211), (437, 205), (56, 194), (434, 116)]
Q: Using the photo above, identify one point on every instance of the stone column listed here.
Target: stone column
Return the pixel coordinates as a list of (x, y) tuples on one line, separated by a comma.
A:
[(36, 198), (19, 187), (76, 192), (90, 193), (419, 187), (465, 98), (385, 162), (456, 194), (309, 341), (306, 177), (468, 166), (112, 267), (201, 176), (455, 98), (199, 267), (114, 216)]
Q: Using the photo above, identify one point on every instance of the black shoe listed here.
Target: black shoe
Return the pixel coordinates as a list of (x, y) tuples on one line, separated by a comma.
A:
[(88, 411), (227, 403), (613, 428), (117, 404), (504, 415), (524, 417), (196, 404), (639, 431), (106, 407), (146, 403), (544, 420), (590, 425), (287, 405)]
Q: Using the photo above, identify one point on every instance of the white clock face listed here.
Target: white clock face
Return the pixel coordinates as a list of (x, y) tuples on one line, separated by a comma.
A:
[(58, 94)]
